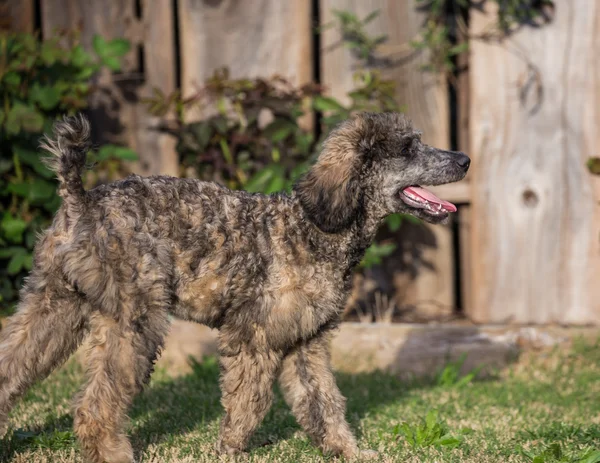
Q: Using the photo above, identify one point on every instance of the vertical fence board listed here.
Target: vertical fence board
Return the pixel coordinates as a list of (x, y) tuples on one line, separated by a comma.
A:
[(117, 114), (426, 101), (16, 15), (465, 258), (158, 39), (535, 113), (252, 39)]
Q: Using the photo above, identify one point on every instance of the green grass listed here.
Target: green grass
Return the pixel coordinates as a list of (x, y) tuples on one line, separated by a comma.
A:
[(543, 408)]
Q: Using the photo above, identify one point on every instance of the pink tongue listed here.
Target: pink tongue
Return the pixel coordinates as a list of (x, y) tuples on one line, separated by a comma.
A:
[(429, 196)]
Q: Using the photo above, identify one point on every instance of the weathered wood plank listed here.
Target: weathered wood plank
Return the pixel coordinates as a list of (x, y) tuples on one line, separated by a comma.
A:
[(426, 101), (465, 257), (536, 219), (425, 95), (157, 36), (17, 15), (117, 113), (252, 39)]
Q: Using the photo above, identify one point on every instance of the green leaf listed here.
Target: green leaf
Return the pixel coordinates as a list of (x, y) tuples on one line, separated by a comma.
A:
[(322, 103), (13, 227), (112, 63), (28, 262), (86, 73), (47, 97), (20, 189), (593, 457), (371, 16), (111, 52), (431, 419), (203, 133), (110, 151), (49, 53), (5, 253), (394, 222), (79, 57), (99, 45), (16, 263), (118, 47), (460, 48), (34, 160), (105, 152), (12, 79), (593, 165), (448, 441), (41, 190), (37, 191), (30, 238), (220, 124), (279, 130), (268, 180), (22, 117), (304, 142), (298, 171), (125, 154), (277, 182)]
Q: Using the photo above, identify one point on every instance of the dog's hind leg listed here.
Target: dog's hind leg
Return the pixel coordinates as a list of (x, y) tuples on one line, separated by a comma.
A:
[(309, 388), (120, 360), (49, 325)]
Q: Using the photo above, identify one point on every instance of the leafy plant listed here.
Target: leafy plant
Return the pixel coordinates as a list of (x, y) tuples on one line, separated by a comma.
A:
[(39, 81), (54, 440), (354, 35), (445, 33), (376, 254), (554, 453), (450, 375), (430, 432)]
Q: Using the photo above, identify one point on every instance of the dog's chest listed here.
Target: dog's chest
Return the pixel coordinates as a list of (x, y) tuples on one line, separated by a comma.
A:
[(300, 299)]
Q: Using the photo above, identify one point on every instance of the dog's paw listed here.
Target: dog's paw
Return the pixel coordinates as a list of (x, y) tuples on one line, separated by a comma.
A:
[(226, 450)]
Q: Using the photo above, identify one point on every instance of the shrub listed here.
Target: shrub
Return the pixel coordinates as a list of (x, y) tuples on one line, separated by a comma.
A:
[(39, 81)]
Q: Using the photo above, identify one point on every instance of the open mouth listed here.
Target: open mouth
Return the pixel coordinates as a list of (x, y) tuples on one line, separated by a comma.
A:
[(420, 198)]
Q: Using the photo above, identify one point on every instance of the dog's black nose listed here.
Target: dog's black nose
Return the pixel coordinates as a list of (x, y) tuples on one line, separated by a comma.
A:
[(463, 160)]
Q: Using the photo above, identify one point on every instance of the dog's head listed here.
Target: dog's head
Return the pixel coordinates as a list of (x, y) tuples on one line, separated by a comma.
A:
[(377, 162)]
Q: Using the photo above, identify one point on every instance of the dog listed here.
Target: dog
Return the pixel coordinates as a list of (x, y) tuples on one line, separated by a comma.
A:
[(271, 273)]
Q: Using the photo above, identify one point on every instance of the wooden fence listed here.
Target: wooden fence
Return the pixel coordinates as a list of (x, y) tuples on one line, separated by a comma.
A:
[(527, 241)]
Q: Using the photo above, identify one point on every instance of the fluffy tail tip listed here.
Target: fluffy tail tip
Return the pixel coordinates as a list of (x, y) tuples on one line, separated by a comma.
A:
[(71, 134)]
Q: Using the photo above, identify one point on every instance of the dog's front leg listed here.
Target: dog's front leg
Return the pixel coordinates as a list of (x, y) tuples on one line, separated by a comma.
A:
[(309, 388), (247, 392)]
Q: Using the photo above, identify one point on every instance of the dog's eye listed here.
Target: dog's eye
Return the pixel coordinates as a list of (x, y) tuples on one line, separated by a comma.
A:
[(405, 148)]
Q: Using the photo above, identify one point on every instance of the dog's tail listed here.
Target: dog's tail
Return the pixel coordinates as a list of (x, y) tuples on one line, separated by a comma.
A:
[(69, 147)]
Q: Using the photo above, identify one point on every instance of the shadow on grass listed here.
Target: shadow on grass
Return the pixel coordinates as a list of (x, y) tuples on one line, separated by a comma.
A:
[(181, 405), (173, 407)]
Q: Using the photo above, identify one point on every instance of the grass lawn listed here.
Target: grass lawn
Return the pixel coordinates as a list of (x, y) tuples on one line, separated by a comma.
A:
[(544, 408)]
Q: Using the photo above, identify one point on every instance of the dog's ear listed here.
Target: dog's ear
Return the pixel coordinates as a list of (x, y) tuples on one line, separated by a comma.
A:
[(330, 192)]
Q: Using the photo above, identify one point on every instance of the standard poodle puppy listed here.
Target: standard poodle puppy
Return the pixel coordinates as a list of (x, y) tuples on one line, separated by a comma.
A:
[(271, 273)]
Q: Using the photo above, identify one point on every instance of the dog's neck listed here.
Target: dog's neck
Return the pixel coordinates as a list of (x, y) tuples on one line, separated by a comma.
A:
[(361, 234), (347, 245)]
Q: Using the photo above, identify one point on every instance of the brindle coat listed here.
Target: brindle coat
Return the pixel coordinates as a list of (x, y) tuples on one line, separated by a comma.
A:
[(270, 272)]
